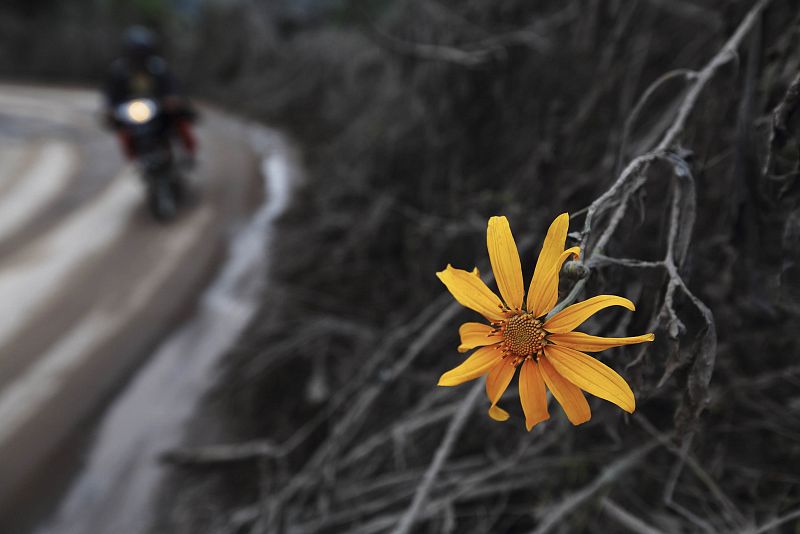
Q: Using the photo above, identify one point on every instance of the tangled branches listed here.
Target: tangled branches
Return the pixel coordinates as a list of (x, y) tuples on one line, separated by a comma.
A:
[(387, 450)]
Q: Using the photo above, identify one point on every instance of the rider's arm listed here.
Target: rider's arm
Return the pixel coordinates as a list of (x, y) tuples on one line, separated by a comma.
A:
[(115, 90)]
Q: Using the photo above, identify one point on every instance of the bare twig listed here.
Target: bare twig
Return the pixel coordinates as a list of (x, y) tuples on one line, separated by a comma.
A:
[(778, 521), (615, 470), (445, 447), (780, 118), (627, 519), (471, 55), (643, 100), (684, 457), (631, 178)]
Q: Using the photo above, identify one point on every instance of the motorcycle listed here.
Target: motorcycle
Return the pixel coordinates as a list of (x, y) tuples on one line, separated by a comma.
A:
[(148, 127)]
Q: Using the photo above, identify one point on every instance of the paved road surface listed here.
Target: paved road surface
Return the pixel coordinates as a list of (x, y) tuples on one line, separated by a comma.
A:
[(88, 281)]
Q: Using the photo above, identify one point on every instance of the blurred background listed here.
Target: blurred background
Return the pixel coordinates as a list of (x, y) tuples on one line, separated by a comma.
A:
[(265, 358)]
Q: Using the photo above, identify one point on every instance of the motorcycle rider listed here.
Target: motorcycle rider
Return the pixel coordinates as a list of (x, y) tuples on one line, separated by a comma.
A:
[(141, 73)]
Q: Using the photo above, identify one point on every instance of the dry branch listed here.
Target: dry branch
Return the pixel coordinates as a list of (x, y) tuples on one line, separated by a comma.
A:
[(627, 519), (442, 452), (388, 453), (556, 513)]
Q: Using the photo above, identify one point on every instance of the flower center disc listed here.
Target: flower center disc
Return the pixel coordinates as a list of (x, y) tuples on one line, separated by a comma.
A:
[(523, 336)]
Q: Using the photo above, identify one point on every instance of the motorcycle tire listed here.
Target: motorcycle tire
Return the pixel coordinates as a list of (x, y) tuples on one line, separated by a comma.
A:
[(162, 202)]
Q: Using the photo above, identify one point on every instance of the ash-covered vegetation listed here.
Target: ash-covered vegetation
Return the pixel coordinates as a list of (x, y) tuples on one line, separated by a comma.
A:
[(421, 119), (669, 130)]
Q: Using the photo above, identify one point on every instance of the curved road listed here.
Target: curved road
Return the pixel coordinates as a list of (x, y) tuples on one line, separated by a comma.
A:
[(88, 281)]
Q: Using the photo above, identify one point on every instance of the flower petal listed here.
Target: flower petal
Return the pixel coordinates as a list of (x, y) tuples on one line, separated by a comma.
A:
[(549, 285), (568, 395), (470, 291), (498, 380), (476, 335), (571, 317), (497, 413), (586, 343), (496, 384), (532, 394), (478, 364), (539, 293), (504, 257), (591, 375)]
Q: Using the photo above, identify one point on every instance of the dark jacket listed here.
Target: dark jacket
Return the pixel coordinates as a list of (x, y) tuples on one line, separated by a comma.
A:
[(152, 80)]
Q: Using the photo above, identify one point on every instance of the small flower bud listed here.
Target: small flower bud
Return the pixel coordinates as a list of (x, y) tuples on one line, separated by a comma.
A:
[(575, 270)]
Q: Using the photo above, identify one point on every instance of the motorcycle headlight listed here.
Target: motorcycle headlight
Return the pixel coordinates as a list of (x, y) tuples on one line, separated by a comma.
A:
[(140, 111)]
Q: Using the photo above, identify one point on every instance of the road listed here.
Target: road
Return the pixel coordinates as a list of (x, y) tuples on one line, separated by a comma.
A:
[(89, 283)]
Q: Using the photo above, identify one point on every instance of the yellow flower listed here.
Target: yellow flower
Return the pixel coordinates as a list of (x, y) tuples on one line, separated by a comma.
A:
[(546, 350)]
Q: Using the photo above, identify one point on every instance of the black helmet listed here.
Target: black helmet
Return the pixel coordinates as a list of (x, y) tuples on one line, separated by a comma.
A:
[(139, 42)]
